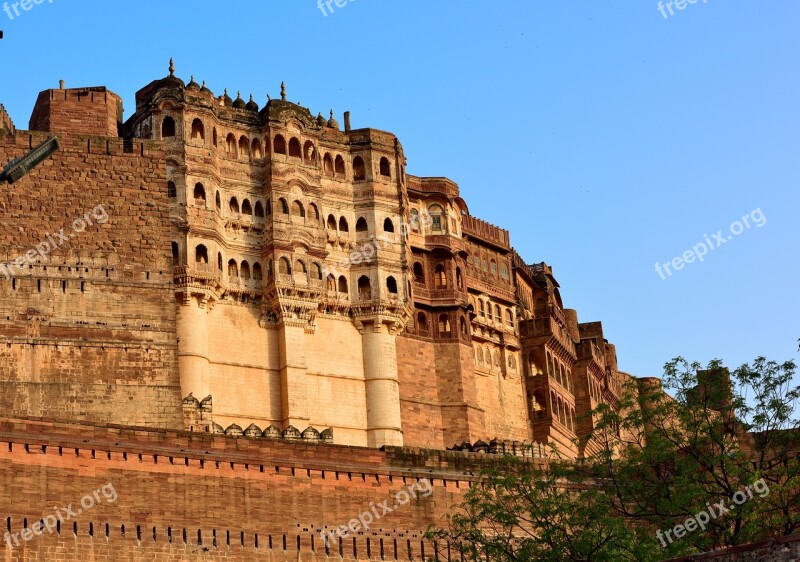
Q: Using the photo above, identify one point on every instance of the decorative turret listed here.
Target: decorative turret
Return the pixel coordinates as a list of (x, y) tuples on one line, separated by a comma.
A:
[(239, 103), (251, 105)]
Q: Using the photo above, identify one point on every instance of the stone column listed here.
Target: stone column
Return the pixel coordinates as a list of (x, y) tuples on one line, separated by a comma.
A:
[(294, 392), (193, 361), (382, 385)]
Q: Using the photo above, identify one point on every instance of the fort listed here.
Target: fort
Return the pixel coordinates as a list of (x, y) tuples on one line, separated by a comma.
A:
[(276, 327)]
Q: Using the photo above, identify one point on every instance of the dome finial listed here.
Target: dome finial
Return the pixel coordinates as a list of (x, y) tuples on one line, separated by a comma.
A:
[(171, 67), (283, 91)]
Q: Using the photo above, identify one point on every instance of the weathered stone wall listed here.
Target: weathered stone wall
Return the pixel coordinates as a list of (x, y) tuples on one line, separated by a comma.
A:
[(87, 324)]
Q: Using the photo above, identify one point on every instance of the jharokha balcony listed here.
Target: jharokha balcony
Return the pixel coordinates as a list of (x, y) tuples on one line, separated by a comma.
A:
[(550, 325)]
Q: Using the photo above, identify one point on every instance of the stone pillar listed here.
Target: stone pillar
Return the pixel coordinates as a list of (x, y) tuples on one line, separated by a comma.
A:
[(193, 362), (383, 386), (294, 393)]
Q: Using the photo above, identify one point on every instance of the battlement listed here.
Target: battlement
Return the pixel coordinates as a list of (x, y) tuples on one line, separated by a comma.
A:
[(6, 125), (90, 111), (485, 231)]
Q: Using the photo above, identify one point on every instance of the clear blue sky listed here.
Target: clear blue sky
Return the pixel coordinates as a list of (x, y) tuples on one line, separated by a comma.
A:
[(604, 136)]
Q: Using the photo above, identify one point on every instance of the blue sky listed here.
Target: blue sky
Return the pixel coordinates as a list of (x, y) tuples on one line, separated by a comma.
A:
[(605, 137)]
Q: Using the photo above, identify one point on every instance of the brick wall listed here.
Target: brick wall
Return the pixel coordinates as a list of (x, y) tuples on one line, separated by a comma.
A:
[(220, 486), (82, 111), (87, 330)]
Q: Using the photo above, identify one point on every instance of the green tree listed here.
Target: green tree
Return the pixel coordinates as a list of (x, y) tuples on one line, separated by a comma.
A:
[(665, 459)]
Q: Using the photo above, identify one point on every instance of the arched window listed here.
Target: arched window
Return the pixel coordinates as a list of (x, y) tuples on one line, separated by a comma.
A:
[(391, 285), (309, 154), (244, 147), (339, 166), (256, 150), (167, 127), (342, 284), (234, 205), (219, 262), (509, 317), (414, 220), (498, 315), (504, 272), (284, 206), (364, 288), (300, 267), (214, 136), (361, 225), (359, 169), (218, 201), (172, 191), (244, 272), (268, 208), (435, 212), (463, 327), (385, 168), (496, 358), (233, 269), (284, 267), (343, 225), (201, 254), (259, 210), (444, 325), (246, 208), (493, 268), (331, 222), (230, 145), (298, 210), (294, 148), (199, 194), (459, 279), (258, 275), (316, 271), (481, 310), (419, 273), (313, 212), (440, 276), (280, 144), (176, 255), (327, 164), (198, 131), (422, 322), (388, 225)]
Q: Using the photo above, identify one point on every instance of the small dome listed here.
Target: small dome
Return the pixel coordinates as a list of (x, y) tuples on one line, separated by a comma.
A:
[(226, 99), (332, 122), (192, 85), (205, 89), (251, 105), (239, 103), (321, 120)]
